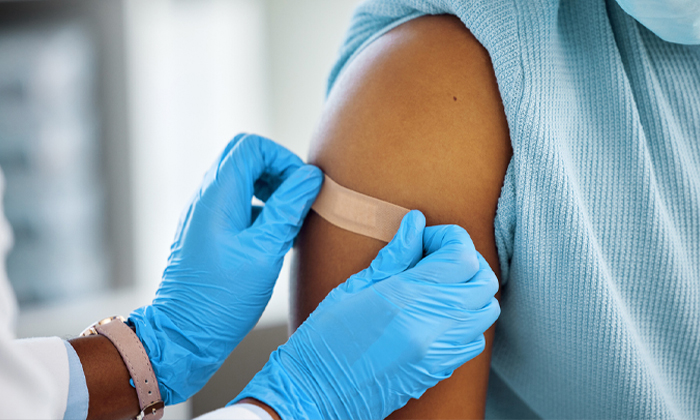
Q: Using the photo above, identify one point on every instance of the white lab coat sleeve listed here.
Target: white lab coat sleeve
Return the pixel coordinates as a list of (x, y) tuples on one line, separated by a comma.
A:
[(33, 373), (37, 379), (241, 411)]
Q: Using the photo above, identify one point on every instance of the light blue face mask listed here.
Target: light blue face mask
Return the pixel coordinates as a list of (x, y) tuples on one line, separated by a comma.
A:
[(672, 20)]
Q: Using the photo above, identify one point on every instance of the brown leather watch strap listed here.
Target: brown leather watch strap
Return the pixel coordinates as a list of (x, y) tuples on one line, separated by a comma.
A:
[(136, 360)]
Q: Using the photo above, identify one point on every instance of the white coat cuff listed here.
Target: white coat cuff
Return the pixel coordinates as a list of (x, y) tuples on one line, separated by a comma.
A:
[(78, 396)]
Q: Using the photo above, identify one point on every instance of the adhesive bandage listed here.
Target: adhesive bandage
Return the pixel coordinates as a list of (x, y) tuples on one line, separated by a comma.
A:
[(357, 212)]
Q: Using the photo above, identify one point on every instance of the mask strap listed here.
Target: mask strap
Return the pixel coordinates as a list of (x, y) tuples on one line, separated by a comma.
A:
[(357, 212)]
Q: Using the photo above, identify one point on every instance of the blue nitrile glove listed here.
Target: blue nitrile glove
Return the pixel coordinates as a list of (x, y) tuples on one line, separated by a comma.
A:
[(388, 333), (224, 262)]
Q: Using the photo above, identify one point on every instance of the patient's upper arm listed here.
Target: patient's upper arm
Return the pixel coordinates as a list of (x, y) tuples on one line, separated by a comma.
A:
[(416, 119)]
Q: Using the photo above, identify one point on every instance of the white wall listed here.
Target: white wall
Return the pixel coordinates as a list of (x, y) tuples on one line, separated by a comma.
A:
[(196, 76), (304, 39)]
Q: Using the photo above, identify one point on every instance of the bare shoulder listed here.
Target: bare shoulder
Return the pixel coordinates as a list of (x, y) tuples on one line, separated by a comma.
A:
[(415, 119)]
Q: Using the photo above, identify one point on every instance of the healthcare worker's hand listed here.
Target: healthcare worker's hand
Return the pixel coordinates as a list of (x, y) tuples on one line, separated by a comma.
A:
[(224, 262), (388, 333)]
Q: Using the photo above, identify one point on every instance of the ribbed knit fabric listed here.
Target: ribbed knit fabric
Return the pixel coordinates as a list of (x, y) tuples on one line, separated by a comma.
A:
[(598, 224)]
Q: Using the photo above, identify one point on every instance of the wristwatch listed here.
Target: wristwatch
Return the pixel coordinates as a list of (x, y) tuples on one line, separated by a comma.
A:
[(136, 361)]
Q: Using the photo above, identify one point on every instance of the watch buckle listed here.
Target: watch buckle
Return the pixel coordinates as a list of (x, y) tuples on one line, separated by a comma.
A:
[(152, 408)]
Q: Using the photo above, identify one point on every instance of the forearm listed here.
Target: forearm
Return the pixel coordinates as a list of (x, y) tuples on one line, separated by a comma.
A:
[(111, 394), (107, 378)]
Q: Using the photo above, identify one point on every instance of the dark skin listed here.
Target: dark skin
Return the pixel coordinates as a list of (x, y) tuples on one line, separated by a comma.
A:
[(417, 120), (111, 395), (107, 378)]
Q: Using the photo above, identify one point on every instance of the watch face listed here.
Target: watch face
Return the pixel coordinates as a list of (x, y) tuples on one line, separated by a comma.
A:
[(90, 330)]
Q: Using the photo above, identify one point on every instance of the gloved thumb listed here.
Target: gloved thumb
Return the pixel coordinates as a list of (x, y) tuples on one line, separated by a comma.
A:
[(403, 252), (284, 212), (450, 256)]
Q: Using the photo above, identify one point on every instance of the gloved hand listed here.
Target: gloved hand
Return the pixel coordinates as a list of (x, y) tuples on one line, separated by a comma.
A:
[(388, 333), (224, 262)]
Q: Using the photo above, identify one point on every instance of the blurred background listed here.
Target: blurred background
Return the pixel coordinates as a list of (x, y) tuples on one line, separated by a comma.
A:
[(111, 112)]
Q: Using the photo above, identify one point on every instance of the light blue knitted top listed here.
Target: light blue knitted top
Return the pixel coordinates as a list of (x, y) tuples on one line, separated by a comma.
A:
[(598, 224)]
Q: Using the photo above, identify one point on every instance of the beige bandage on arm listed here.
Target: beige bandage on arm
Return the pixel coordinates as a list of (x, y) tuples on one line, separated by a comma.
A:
[(357, 212)]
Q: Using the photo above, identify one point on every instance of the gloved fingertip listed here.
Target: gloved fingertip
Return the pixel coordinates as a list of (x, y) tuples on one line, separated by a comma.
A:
[(495, 309), (288, 206), (237, 140), (308, 180), (232, 143), (305, 181), (487, 315), (312, 170), (405, 249), (483, 264), (477, 346), (412, 225), (313, 175)]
